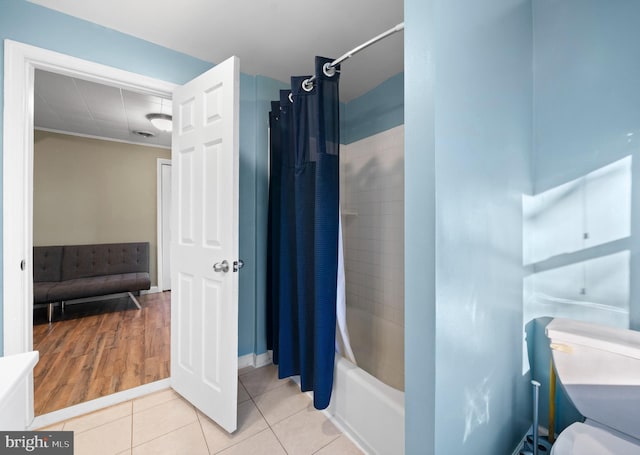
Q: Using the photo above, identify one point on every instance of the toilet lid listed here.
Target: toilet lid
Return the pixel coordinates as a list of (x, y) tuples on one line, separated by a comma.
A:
[(585, 439)]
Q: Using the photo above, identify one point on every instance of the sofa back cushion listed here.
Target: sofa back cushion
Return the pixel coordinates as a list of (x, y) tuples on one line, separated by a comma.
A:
[(47, 263), (82, 261)]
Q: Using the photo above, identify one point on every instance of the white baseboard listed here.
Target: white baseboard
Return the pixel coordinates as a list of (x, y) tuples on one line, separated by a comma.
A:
[(152, 290), (254, 360), (261, 360), (245, 361)]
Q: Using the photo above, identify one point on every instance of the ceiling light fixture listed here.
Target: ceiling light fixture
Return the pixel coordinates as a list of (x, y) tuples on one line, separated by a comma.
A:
[(161, 121)]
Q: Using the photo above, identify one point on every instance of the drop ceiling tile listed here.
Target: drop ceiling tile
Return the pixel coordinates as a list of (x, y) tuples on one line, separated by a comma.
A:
[(112, 123), (70, 111), (58, 90), (142, 124), (139, 99), (84, 107), (118, 117), (102, 101), (141, 109), (73, 119), (51, 124), (106, 112), (40, 105), (119, 133), (97, 93), (42, 118), (83, 129)]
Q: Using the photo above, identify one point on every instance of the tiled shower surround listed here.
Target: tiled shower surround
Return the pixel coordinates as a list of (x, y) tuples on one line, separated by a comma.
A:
[(372, 201)]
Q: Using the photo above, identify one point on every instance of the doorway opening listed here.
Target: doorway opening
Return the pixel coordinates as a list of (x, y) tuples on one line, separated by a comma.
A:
[(204, 310), (18, 241), (95, 156)]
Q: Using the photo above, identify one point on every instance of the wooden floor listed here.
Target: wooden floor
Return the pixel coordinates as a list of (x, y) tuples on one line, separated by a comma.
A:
[(99, 348)]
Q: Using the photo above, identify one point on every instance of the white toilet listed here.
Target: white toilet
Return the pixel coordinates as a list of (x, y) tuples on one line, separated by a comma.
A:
[(599, 368)]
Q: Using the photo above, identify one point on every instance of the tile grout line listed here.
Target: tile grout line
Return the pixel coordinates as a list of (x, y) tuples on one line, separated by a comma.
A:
[(206, 443), (329, 443), (163, 434), (131, 413), (131, 438), (268, 425), (253, 435), (64, 422), (289, 416), (262, 414), (283, 419), (295, 413)]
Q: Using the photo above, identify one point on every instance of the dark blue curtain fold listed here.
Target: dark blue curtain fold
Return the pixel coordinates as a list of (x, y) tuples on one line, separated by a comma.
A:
[(303, 231)]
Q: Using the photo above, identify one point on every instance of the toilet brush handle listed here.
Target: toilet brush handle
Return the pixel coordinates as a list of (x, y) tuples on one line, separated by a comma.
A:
[(536, 397)]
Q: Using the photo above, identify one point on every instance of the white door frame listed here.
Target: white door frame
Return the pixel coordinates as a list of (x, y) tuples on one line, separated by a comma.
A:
[(20, 62), (160, 197)]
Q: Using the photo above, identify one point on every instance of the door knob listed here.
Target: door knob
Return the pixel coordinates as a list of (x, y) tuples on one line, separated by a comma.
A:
[(221, 266)]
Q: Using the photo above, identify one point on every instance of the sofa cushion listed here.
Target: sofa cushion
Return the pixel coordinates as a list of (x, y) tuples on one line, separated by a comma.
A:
[(47, 263), (41, 291), (84, 261), (98, 285)]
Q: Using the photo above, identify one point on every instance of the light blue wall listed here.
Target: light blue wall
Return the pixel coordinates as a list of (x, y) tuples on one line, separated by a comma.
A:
[(267, 89), (587, 68), (32, 24), (587, 104), (483, 107), (468, 128), (419, 231), (380, 109), (586, 115), (247, 216)]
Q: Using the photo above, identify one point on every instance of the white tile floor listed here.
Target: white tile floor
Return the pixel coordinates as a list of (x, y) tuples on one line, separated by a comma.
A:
[(274, 418)]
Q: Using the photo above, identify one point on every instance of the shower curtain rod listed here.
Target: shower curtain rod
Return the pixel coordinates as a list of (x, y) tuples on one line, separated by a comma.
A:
[(328, 67)]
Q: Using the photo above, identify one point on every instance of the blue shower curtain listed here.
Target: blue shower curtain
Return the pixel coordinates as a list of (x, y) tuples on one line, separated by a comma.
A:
[(303, 231)]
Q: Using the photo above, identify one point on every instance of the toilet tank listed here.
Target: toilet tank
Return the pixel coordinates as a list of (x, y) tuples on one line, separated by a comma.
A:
[(599, 368)]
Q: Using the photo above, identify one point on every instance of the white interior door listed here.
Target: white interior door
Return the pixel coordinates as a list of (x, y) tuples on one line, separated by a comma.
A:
[(204, 310)]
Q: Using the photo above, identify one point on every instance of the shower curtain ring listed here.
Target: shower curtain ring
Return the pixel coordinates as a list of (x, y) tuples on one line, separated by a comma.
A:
[(291, 97), (307, 85), (329, 70)]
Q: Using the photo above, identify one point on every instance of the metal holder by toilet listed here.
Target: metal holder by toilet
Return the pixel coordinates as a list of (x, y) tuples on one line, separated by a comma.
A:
[(533, 444)]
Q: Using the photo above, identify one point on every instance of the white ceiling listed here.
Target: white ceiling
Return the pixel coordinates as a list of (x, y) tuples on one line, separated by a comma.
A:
[(66, 104), (274, 38)]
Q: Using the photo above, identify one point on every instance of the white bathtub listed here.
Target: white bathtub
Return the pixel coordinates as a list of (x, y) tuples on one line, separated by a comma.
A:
[(371, 412)]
